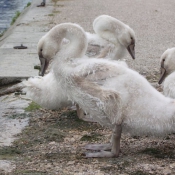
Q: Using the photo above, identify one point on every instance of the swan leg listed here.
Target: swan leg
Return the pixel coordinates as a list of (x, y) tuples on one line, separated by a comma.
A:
[(115, 150), (82, 116)]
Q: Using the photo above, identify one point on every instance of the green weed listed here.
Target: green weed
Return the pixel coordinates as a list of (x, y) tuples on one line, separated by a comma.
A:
[(17, 14), (32, 107)]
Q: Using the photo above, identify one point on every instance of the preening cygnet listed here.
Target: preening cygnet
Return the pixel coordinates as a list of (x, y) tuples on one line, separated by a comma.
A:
[(112, 94), (168, 72), (114, 36)]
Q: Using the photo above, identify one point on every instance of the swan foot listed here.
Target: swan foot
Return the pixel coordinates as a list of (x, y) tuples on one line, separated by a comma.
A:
[(99, 147), (101, 154), (114, 146)]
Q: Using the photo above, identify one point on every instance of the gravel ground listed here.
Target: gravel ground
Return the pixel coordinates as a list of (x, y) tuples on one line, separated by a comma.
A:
[(53, 144), (53, 141)]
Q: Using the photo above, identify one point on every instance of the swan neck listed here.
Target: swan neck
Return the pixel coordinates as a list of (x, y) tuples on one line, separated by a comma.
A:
[(77, 45), (75, 48)]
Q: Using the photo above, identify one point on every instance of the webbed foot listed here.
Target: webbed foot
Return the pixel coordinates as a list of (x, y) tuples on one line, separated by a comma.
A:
[(101, 154)]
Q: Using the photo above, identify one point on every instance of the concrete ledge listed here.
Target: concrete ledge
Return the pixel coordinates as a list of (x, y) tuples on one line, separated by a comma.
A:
[(16, 64)]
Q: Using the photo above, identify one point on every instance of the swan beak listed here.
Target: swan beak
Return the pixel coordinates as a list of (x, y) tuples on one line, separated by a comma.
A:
[(131, 50), (44, 65), (163, 75), (162, 71)]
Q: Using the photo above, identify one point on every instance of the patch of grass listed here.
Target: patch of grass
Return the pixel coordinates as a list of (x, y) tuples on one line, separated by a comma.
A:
[(60, 5), (17, 14), (158, 153), (51, 14), (153, 151), (53, 134), (28, 4), (32, 107), (9, 152), (2, 33), (37, 67), (92, 137), (55, 1), (56, 11)]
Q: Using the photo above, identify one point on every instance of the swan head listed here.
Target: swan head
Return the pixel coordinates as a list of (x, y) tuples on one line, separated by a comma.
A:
[(47, 49), (116, 32), (167, 63), (57, 41), (127, 38)]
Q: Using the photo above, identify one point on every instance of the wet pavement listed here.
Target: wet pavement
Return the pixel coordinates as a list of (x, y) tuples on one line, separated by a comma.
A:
[(12, 118)]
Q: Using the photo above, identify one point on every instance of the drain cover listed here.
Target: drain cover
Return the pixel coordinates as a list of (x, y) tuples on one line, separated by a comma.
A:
[(20, 47)]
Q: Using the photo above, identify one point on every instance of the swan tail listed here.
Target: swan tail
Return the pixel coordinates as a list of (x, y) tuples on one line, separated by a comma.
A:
[(32, 84), (47, 92)]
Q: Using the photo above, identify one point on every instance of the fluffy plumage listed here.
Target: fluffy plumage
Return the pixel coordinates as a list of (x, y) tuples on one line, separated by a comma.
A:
[(112, 94), (111, 40), (46, 92), (113, 36)]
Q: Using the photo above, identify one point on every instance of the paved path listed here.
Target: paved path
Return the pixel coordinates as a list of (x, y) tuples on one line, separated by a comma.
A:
[(19, 63), (152, 20)]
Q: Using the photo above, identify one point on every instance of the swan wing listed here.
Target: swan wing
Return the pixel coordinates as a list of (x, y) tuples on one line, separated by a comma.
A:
[(99, 101), (168, 86), (100, 71)]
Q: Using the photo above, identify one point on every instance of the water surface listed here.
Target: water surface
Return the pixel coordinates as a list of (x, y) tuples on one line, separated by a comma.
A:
[(8, 8)]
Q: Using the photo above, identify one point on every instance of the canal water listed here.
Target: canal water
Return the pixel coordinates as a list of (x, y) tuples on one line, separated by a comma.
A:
[(8, 8)]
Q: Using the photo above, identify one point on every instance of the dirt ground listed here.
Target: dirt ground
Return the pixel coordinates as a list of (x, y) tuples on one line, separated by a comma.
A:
[(54, 140)]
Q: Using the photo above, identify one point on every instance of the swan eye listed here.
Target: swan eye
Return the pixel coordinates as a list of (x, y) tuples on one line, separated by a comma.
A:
[(163, 60), (41, 50), (132, 41)]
